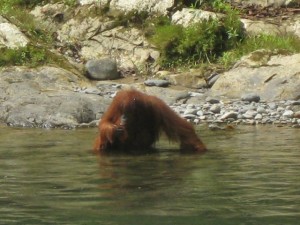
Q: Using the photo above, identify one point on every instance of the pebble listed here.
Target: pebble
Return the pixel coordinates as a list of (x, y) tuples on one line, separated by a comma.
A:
[(215, 109), (228, 115), (212, 100), (297, 114), (288, 114), (280, 113), (241, 112)]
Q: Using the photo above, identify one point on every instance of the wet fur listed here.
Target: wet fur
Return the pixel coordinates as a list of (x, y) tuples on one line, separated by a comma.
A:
[(135, 120)]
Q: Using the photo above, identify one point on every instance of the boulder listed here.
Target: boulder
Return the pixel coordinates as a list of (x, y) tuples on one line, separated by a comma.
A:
[(291, 25), (271, 76), (188, 16), (46, 97), (10, 35), (158, 83), (150, 6), (250, 97), (102, 69)]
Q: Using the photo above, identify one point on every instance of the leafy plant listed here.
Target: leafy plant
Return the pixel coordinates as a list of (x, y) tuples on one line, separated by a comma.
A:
[(200, 42), (30, 55)]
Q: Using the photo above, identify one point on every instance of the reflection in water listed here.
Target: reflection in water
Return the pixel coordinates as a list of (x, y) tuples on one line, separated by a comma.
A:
[(249, 176)]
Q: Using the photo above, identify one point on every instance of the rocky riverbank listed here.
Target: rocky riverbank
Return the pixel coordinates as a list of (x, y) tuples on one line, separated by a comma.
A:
[(215, 113), (50, 97), (100, 49)]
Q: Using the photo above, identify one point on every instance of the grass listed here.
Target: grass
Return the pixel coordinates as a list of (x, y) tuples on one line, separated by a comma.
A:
[(219, 41), (199, 43), (37, 53), (29, 55), (270, 42), (216, 41)]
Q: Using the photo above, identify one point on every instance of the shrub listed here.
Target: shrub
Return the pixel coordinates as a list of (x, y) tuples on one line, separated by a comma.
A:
[(30, 55), (200, 42)]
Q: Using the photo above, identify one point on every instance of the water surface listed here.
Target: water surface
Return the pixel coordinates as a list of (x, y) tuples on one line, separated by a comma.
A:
[(249, 176)]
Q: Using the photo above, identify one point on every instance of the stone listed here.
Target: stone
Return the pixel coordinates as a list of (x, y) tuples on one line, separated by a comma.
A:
[(11, 36), (158, 83), (188, 16), (212, 100), (190, 111), (188, 79), (297, 114), (229, 115), (252, 97), (258, 117), (47, 99), (200, 113), (188, 116), (261, 109), (151, 6), (288, 114), (278, 79), (215, 108), (102, 69), (212, 79)]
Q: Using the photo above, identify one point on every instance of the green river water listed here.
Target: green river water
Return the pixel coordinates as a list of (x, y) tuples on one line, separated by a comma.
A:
[(250, 175)]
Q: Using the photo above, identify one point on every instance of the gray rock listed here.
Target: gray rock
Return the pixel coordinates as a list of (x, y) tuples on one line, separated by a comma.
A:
[(229, 115), (188, 16), (102, 69), (45, 97), (200, 113), (11, 36), (272, 105), (261, 109), (212, 100), (277, 80), (158, 83), (250, 114), (151, 6), (188, 116), (190, 111), (296, 102), (258, 117), (212, 79), (280, 109), (215, 109), (288, 114), (251, 97)]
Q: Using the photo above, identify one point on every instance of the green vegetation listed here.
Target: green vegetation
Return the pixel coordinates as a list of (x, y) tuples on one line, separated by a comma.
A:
[(23, 56), (215, 41), (201, 42), (270, 42), (7, 5), (31, 55), (221, 41)]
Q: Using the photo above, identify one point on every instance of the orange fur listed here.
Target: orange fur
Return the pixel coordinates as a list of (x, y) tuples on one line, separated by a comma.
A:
[(134, 120)]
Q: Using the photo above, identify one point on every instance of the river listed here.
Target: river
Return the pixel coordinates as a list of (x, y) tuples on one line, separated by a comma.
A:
[(250, 175)]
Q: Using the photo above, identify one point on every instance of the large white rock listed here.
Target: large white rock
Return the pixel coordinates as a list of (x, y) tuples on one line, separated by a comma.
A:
[(272, 77), (11, 36), (151, 6), (188, 16)]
